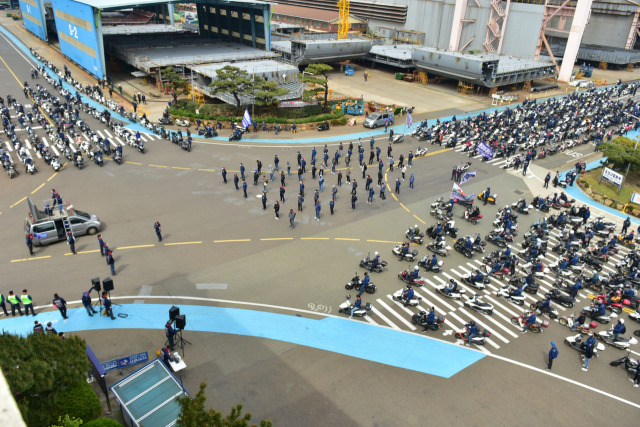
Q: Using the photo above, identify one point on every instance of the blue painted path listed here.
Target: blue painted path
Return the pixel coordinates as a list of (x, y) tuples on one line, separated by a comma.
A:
[(348, 337)]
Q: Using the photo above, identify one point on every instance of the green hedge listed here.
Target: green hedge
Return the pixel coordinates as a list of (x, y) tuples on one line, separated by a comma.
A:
[(102, 422), (79, 401), (227, 113)]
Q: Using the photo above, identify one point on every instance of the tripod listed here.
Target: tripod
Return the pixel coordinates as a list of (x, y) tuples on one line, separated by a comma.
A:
[(181, 341)]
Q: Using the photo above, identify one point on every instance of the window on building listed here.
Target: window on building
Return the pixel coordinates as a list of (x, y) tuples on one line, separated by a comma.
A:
[(325, 25)]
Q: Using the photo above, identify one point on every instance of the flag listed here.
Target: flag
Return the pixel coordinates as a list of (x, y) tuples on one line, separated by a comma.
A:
[(458, 194), (485, 150), (246, 119), (467, 176), (409, 120)]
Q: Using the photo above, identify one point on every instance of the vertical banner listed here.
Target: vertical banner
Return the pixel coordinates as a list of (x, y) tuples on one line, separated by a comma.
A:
[(77, 25), (33, 17)]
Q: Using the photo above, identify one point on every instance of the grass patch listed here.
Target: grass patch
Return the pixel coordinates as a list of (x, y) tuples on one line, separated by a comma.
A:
[(605, 189)]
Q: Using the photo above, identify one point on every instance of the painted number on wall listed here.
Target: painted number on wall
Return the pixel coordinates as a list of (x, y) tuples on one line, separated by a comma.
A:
[(73, 30)]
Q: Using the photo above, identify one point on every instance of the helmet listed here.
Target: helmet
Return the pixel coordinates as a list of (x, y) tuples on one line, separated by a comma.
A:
[(416, 268), (409, 286), (472, 323), (376, 253), (415, 226), (621, 321), (477, 271), (618, 292)]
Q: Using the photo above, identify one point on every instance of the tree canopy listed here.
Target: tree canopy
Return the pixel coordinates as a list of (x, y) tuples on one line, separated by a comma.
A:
[(621, 152), (234, 81), (38, 367), (193, 414), (176, 80), (318, 74), (267, 92)]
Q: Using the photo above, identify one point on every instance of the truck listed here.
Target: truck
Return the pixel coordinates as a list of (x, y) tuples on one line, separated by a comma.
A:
[(54, 224)]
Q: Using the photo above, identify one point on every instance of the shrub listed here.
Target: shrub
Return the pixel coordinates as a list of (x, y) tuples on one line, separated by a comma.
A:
[(78, 401), (102, 422)]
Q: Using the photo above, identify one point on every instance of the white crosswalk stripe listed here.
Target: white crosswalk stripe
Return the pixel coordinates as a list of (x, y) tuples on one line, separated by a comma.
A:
[(398, 316), (378, 313)]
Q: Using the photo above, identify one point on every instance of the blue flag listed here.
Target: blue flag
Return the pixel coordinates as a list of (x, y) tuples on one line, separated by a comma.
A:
[(467, 176), (246, 119)]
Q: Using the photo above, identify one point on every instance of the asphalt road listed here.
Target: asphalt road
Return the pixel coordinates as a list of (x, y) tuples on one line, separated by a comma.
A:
[(212, 235)]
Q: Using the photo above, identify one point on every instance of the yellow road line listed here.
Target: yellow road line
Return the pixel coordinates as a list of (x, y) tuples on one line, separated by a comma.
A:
[(31, 259), (134, 247), (382, 241), (395, 198), (158, 166), (207, 170), (231, 241), (405, 208), (41, 185), (314, 238), (181, 243), (419, 219), (176, 167), (344, 238), (134, 163), (278, 238), (52, 176), (93, 251), (18, 202)]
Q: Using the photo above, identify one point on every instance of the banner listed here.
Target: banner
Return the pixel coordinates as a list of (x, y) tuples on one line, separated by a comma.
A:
[(458, 194), (246, 120), (485, 150), (467, 176)]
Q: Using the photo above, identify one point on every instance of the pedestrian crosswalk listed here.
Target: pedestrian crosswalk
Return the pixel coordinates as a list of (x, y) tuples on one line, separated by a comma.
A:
[(498, 161), (393, 314)]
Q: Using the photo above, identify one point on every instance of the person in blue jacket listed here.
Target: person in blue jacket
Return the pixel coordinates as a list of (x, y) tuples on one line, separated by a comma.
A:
[(530, 321), (553, 353), (619, 329), (516, 292), (574, 260), (365, 283), (473, 331), (545, 305), (407, 295), (575, 288), (356, 305), (478, 277), (495, 268), (433, 261), (415, 274)]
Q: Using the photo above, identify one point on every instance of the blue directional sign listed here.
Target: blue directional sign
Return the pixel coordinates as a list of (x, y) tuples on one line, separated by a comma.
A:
[(33, 17), (77, 28)]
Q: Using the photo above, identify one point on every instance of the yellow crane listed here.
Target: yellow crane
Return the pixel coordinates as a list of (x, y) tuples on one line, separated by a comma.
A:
[(343, 18)]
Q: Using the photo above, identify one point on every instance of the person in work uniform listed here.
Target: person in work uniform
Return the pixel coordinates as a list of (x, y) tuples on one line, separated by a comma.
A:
[(3, 305), (27, 302), (15, 303)]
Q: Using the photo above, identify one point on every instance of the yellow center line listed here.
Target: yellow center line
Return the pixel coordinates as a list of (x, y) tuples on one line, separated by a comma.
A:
[(176, 167), (395, 198), (134, 247), (230, 241), (41, 185), (181, 243), (158, 166), (93, 251), (278, 238), (383, 241), (314, 238), (133, 163), (207, 170), (52, 176), (346, 239), (419, 219), (18, 202), (31, 259), (405, 208)]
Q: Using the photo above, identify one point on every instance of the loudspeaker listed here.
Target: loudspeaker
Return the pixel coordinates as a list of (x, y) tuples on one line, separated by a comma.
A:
[(95, 284), (173, 312), (107, 284), (181, 322)]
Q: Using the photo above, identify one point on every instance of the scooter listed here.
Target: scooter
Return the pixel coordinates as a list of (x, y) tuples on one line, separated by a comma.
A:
[(415, 238), (55, 163), (476, 303), (397, 296), (183, 123), (438, 249), (504, 293), (357, 283), (535, 328), (564, 300), (117, 157), (416, 319), (460, 247), (346, 307), (424, 262), (366, 264), (635, 315), (575, 341), (409, 256), (323, 126), (622, 343), (405, 276), (552, 313), (398, 139), (490, 199), (569, 321), (457, 294), (600, 318), (479, 339), (472, 219), (482, 284), (630, 364)]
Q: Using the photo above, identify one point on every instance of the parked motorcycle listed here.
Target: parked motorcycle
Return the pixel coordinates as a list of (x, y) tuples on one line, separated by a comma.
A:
[(476, 303), (630, 364), (575, 341), (622, 343)]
